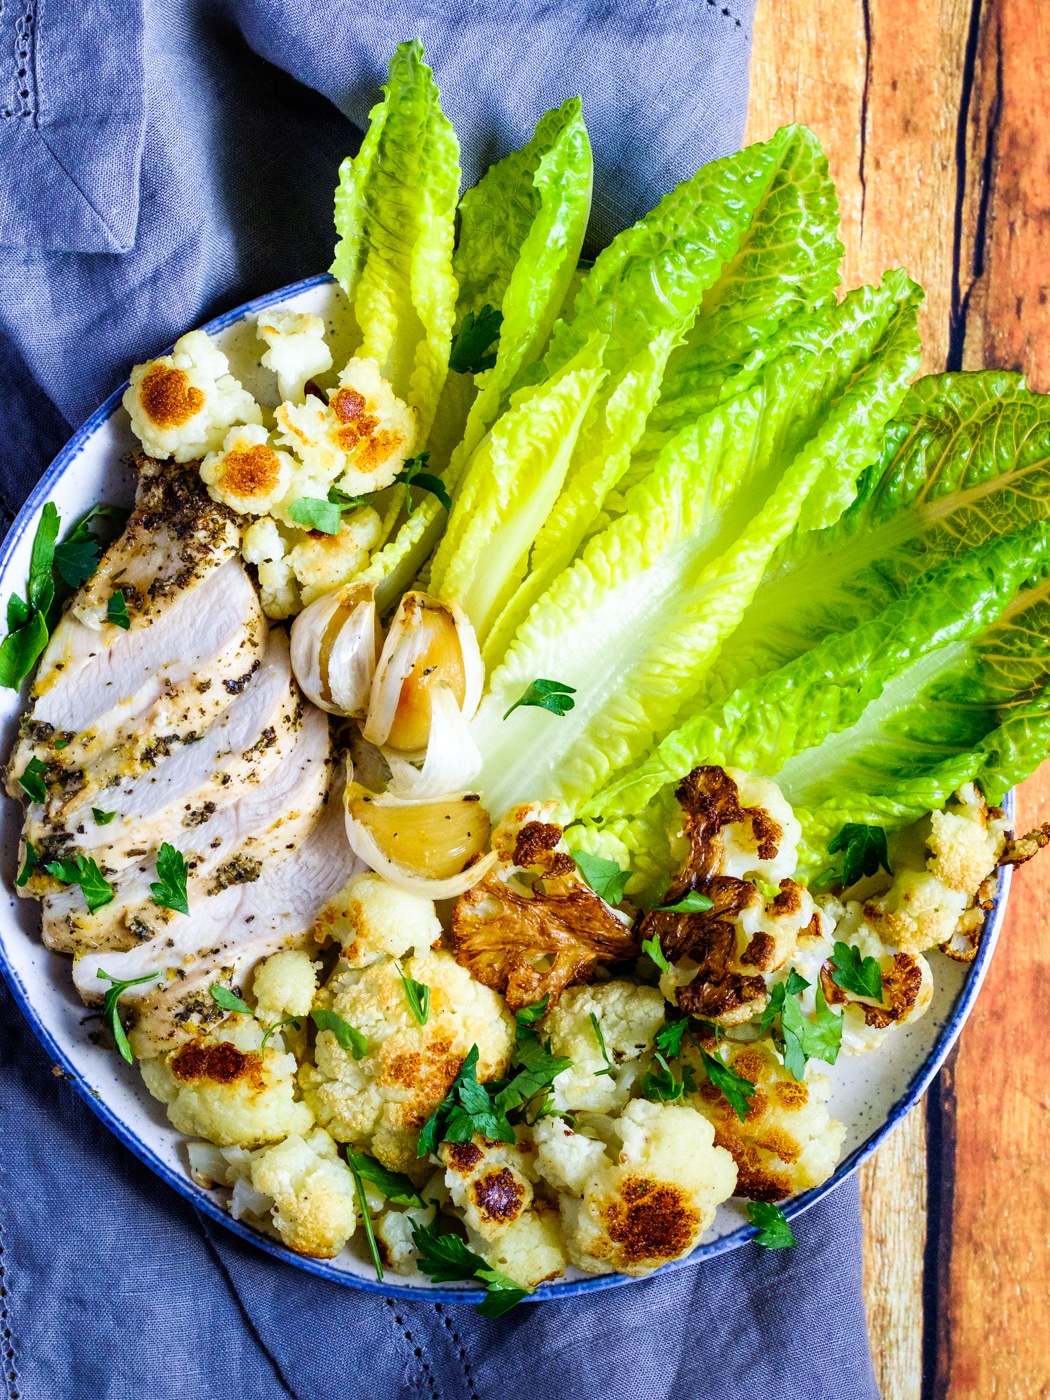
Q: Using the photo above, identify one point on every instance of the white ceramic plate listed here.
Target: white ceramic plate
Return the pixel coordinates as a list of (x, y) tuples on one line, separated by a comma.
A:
[(871, 1092)]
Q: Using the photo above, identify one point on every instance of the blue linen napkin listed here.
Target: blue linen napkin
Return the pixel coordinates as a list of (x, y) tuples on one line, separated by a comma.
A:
[(157, 166)]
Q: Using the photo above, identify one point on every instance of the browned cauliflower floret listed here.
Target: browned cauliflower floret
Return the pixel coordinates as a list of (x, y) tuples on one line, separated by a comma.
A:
[(654, 1203), (314, 1206), (489, 1182), (531, 938), (530, 1250), (788, 1142), (628, 1016), (371, 918), (383, 1099), (722, 955)]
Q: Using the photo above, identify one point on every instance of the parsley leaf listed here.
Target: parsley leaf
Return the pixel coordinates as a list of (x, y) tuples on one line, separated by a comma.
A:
[(824, 881), (102, 818), (447, 1259), (663, 1087), (343, 501), (692, 903), (31, 781), (552, 696), (347, 1038), (169, 892), (76, 558), (799, 1039), (412, 474), (109, 1010), (41, 589), (222, 996), (865, 848), (733, 1086), (395, 1186), (117, 610), (537, 1071), (527, 1017), (418, 995), (366, 1215), (84, 872), (31, 863), (288, 1021), (775, 1232), (314, 514), (855, 973), (656, 952), (473, 339), (668, 1039), (465, 1110), (605, 877), (597, 1026)]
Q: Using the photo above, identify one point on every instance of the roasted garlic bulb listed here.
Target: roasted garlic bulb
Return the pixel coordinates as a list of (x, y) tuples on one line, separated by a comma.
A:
[(334, 643)]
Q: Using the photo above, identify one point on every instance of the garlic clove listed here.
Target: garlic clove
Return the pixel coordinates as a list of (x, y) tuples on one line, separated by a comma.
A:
[(334, 643), (452, 762), (430, 643)]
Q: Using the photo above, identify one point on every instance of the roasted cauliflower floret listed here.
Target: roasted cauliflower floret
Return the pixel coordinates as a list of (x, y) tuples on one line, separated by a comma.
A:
[(943, 903), (628, 1015), (382, 1100), (323, 562), (285, 985), (655, 1203), (530, 1250), (532, 938), (723, 955), (360, 439), (297, 350), (264, 546), (370, 918), (489, 1182), (788, 1141), (763, 843), (226, 1088), (314, 1204), (183, 404), (566, 1159), (247, 475)]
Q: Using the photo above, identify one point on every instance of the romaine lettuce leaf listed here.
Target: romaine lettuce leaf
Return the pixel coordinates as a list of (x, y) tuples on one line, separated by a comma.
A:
[(635, 621), (395, 215)]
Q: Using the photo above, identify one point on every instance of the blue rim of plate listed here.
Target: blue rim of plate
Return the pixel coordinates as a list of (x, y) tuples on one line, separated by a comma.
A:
[(202, 1201)]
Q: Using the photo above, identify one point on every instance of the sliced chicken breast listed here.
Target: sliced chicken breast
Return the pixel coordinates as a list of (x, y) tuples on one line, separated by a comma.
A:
[(240, 749), (227, 938), (233, 846)]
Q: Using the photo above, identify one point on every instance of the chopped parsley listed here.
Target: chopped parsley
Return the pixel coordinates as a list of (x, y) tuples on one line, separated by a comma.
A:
[(865, 848), (473, 349), (31, 781), (553, 696), (656, 952), (83, 871), (27, 619), (692, 903), (465, 1110), (412, 474), (288, 1021), (169, 891), (395, 1186), (229, 1001), (599, 1036), (855, 973), (76, 558), (109, 1010), (664, 1086), (526, 1018), (797, 1037), (537, 1069), (605, 877), (312, 513), (31, 863), (347, 1038), (417, 994), (668, 1039), (366, 1216), (117, 610), (102, 818), (737, 1090), (447, 1259), (774, 1230)]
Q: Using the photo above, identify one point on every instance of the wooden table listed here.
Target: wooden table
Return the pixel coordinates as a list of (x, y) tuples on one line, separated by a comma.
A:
[(936, 120)]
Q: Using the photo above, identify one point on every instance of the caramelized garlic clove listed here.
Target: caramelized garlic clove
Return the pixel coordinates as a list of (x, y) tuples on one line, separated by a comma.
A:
[(334, 643)]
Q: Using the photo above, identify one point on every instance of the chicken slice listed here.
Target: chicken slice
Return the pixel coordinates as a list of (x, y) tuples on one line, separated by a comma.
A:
[(242, 748), (233, 846), (226, 938)]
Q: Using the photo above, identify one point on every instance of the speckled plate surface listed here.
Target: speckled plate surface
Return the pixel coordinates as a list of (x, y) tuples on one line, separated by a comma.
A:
[(871, 1092)]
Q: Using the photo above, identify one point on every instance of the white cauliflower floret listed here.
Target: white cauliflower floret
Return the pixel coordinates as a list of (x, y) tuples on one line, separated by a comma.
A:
[(297, 349), (182, 405), (655, 1203), (788, 1142), (322, 562), (742, 841), (565, 1158), (362, 437), (226, 1088), (629, 1016), (489, 1182), (382, 1100), (314, 1204), (285, 985), (248, 475), (529, 1251), (939, 905), (264, 546), (370, 918)]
